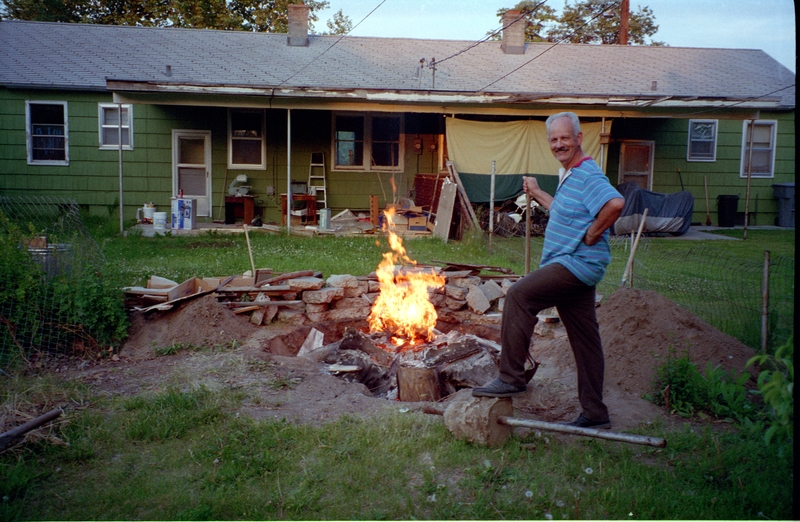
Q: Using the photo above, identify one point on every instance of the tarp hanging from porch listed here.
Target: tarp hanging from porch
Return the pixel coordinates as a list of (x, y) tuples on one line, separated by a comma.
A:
[(519, 148)]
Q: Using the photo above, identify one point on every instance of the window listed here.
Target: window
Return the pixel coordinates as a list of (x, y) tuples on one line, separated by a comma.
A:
[(47, 139), (702, 140), (763, 156), (247, 146), (108, 118), (367, 142)]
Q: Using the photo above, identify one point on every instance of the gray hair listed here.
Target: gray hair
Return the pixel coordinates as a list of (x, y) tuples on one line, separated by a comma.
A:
[(573, 118)]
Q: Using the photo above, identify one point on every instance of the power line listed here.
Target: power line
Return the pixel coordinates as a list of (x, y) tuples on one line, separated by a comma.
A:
[(331, 46), (595, 17), (495, 32)]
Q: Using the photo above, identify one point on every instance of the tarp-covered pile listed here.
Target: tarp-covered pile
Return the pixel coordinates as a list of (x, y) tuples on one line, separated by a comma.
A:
[(670, 213)]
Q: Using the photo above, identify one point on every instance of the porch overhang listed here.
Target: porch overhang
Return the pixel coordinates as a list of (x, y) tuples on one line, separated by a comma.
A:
[(437, 102)]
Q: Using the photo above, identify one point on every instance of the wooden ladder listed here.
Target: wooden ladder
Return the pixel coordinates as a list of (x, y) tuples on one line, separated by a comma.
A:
[(316, 179)]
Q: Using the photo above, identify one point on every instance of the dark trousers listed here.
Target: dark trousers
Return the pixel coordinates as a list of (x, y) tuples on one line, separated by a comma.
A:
[(555, 285)]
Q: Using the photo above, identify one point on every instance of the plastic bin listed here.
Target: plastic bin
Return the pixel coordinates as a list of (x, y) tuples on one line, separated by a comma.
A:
[(784, 193), (727, 205)]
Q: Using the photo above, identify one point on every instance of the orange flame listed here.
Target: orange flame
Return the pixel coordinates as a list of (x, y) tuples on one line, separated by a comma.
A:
[(403, 307)]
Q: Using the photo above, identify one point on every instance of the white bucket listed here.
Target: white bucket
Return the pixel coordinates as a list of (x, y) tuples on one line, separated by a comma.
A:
[(159, 221)]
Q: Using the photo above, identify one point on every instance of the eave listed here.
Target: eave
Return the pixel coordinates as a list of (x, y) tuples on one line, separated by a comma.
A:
[(439, 101)]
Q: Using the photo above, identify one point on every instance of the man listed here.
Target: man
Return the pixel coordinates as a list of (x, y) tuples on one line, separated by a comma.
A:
[(574, 259)]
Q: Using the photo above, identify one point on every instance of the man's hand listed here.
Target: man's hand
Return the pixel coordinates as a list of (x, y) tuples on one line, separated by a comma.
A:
[(605, 218), (531, 187)]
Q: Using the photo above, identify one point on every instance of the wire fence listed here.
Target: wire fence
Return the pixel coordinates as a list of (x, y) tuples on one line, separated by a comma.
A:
[(45, 256), (723, 289)]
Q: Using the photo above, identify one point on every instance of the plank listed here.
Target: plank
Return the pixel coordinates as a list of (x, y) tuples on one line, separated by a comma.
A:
[(444, 213)]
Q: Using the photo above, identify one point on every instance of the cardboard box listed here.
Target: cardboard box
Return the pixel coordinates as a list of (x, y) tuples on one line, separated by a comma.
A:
[(418, 223)]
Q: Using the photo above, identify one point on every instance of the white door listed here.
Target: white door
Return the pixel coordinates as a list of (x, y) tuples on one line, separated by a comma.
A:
[(191, 167), (636, 163)]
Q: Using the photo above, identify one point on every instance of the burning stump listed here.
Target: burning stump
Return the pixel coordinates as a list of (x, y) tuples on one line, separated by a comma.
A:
[(428, 372)]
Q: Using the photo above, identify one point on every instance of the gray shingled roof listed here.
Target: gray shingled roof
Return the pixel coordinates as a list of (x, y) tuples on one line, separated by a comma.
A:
[(79, 56)]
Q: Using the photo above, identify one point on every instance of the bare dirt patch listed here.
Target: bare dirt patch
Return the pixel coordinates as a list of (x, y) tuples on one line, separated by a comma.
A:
[(639, 329)]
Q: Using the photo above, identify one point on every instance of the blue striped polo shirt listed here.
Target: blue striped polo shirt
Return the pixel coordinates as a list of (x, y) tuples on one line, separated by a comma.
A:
[(583, 191)]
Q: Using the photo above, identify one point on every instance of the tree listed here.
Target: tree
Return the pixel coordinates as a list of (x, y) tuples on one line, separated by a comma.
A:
[(539, 20), (340, 24), (246, 15), (587, 21), (598, 21)]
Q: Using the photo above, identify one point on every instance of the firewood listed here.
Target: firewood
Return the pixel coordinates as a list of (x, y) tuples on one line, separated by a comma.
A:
[(418, 384)]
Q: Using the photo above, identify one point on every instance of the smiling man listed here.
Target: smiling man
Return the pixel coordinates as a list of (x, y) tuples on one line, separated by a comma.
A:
[(574, 259)]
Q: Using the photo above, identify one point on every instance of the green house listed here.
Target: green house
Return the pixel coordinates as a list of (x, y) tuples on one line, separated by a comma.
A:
[(117, 116)]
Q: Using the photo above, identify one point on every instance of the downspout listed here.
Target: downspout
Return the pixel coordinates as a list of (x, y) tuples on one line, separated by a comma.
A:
[(749, 172), (121, 205), (289, 172)]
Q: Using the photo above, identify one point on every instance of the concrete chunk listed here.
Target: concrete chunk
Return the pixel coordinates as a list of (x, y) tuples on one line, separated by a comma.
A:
[(492, 290), (324, 295), (456, 292), (342, 281), (305, 283), (476, 300)]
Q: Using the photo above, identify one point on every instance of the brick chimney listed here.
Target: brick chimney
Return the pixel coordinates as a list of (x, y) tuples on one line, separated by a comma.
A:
[(514, 32), (298, 25)]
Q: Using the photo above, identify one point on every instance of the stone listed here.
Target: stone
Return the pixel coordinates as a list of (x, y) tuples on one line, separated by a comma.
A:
[(348, 314), (465, 282), (350, 302), (342, 281), (317, 307), (305, 283), (476, 300), (324, 295), (291, 316), (492, 290), (454, 304), (456, 292)]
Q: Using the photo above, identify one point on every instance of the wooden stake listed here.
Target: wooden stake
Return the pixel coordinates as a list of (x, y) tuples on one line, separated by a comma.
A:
[(249, 249), (527, 233)]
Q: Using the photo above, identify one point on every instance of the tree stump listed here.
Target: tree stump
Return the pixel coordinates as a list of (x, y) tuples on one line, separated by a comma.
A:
[(418, 384), (475, 419)]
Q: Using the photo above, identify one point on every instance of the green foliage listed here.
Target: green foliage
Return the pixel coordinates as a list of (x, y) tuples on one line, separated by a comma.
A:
[(776, 384), (586, 21), (171, 415), (245, 15), (684, 391)]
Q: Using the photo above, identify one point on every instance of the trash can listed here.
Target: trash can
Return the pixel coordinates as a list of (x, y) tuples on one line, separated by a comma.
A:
[(726, 209), (784, 193)]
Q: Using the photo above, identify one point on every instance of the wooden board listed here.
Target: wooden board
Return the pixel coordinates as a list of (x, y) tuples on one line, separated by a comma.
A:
[(444, 213)]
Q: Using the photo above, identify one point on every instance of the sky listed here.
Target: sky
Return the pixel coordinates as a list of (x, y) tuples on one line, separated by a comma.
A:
[(768, 25)]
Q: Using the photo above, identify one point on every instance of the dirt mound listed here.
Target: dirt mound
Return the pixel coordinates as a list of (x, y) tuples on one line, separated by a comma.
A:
[(199, 322), (639, 329)]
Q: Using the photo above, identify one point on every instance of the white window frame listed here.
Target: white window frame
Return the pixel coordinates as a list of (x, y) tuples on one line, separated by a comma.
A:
[(29, 133), (772, 148), (233, 139), (713, 141), (366, 165), (101, 124)]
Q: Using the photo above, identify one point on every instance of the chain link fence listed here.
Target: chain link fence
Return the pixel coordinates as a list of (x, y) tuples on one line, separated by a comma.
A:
[(47, 258)]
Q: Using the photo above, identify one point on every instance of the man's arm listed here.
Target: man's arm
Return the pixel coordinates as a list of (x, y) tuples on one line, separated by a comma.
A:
[(531, 187), (605, 218)]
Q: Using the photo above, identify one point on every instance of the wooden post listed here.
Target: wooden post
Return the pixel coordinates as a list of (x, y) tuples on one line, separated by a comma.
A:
[(373, 210), (765, 303)]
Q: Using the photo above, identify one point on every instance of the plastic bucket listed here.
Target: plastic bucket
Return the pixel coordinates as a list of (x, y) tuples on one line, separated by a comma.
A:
[(159, 221)]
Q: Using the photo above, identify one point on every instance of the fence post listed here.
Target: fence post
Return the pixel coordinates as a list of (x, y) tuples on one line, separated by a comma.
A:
[(765, 302)]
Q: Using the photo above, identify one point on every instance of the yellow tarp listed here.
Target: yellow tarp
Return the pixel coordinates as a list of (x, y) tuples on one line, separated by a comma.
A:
[(518, 147)]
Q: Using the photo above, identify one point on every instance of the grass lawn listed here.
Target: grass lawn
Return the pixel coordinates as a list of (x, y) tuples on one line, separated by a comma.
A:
[(186, 454)]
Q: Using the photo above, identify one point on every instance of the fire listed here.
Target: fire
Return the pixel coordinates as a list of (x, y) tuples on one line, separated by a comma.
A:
[(403, 308)]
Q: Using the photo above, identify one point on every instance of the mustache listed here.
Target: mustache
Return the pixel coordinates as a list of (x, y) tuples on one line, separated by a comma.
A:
[(561, 149)]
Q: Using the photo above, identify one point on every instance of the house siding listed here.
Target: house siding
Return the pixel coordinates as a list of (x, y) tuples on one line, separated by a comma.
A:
[(722, 175), (92, 176)]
